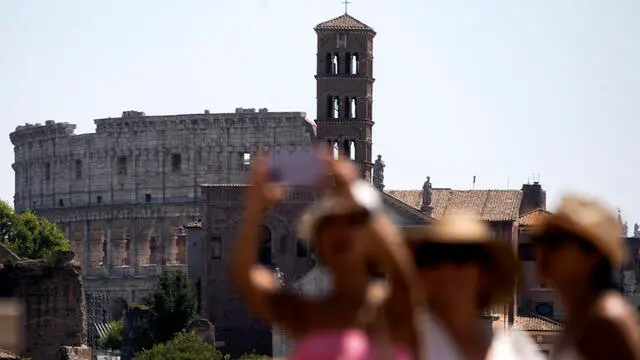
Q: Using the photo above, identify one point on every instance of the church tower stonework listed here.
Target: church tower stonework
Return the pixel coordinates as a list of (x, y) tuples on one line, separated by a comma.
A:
[(344, 81)]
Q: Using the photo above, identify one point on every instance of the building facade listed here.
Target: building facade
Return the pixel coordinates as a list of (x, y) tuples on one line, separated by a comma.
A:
[(121, 194)]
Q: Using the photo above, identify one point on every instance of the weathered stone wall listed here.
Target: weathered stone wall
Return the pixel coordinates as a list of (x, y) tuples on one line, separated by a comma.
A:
[(54, 302), (144, 159)]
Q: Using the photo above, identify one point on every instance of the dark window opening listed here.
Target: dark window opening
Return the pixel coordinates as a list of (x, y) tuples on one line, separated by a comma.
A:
[(61, 203), (176, 162), (347, 108), (147, 198), (264, 252), (47, 171), (347, 63), (122, 165), (78, 169), (525, 252), (216, 247), (99, 199), (342, 40), (302, 251), (544, 309)]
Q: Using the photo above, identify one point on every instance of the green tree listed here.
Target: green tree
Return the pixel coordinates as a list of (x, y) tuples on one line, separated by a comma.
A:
[(172, 306), (182, 347), (112, 339), (28, 236)]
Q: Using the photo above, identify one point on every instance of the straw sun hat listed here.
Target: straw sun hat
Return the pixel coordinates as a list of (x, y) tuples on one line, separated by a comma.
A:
[(367, 198), (591, 222), (501, 262)]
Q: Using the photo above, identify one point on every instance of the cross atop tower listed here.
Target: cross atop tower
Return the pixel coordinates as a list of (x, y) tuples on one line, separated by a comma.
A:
[(346, 5)]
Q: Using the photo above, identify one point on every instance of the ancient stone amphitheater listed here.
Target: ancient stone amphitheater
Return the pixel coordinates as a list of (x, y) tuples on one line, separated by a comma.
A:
[(123, 193)]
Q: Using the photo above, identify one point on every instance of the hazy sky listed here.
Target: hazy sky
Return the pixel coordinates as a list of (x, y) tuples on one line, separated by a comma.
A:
[(497, 89)]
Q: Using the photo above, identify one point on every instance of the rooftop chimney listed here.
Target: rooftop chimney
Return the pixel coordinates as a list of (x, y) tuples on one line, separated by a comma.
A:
[(533, 197)]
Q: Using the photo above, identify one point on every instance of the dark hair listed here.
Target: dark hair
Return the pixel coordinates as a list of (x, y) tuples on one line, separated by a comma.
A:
[(602, 277)]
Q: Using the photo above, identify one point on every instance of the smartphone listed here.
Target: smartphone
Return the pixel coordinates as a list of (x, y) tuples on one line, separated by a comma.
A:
[(296, 168)]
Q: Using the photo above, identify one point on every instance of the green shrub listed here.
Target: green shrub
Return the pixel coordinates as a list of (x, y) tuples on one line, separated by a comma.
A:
[(112, 339), (184, 346)]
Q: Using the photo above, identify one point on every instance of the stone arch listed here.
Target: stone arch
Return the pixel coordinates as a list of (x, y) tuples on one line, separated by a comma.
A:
[(117, 307)]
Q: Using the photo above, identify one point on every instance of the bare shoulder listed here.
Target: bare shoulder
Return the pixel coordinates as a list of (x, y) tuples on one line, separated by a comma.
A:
[(614, 309), (613, 330)]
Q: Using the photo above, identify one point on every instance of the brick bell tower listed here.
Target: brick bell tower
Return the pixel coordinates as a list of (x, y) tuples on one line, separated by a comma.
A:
[(344, 81)]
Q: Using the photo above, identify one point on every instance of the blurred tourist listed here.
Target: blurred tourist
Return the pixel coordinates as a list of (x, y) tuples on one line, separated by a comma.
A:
[(465, 271), (577, 250), (362, 318)]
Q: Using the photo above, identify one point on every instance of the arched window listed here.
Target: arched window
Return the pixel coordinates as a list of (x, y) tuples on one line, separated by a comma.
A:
[(264, 251)]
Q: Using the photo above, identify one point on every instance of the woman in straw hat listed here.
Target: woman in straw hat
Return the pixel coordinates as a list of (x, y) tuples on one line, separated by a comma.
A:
[(577, 250), (465, 271), (361, 318)]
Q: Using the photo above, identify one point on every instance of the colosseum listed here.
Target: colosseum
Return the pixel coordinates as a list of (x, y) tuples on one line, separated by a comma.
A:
[(123, 193)]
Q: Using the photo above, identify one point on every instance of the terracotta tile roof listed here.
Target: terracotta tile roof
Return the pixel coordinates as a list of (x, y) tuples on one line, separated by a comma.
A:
[(530, 322), (536, 323), (343, 22), (533, 217), (488, 205)]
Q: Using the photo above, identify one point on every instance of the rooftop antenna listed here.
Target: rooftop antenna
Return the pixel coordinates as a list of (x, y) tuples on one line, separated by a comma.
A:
[(346, 5), (473, 186)]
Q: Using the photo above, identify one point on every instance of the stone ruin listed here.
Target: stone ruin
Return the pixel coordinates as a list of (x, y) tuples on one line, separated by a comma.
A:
[(203, 328), (55, 312)]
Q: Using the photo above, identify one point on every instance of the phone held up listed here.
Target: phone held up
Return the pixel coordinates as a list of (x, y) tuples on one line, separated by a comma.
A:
[(296, 168)]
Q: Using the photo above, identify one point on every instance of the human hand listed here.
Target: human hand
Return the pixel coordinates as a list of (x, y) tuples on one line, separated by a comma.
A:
[(261, 191)]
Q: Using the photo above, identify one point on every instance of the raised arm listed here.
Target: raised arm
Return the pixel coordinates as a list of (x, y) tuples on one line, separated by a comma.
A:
[(257, 284)]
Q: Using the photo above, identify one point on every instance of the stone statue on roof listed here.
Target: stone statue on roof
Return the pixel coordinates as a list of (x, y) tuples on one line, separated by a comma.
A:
[(625, 229), (378, 173), (426, 193), (636, 230)]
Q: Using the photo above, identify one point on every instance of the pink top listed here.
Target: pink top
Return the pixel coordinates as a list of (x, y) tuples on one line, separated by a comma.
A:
[(341, 345)]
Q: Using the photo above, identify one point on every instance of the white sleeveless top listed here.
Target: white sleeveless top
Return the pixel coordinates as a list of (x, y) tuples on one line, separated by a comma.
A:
[(514, 345)]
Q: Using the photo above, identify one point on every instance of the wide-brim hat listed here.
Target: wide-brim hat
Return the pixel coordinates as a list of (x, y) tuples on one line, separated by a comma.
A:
[(590, 221), (367, 199), (501, 261)]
